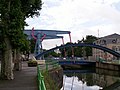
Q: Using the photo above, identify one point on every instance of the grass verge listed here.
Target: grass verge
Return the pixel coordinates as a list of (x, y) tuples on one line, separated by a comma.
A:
[(49, 82)]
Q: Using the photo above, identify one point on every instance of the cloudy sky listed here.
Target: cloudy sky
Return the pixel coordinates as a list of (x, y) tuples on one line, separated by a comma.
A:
[(81, 17)]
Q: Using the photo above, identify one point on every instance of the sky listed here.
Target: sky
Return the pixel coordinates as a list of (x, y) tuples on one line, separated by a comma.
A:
[(81, 17)]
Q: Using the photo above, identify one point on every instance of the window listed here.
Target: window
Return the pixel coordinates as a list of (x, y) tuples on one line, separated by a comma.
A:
[(114, 41)]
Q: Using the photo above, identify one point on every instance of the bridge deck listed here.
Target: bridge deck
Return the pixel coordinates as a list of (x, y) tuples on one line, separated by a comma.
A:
[(73, 62)]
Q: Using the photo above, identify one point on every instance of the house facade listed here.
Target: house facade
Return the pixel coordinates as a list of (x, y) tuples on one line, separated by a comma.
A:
[(112, 42)]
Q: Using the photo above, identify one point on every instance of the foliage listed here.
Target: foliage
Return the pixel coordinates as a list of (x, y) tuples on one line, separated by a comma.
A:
[(25, 44), (32, 45), (12, 21), (67, 51), (89, 39), (12, 16), (31, 7), (80, 51), (32, 63), (49, 82), (62, 51), (0, 37), (53, 54)]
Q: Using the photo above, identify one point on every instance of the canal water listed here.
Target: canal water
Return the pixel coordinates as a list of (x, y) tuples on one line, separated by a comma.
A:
[(97, 79)]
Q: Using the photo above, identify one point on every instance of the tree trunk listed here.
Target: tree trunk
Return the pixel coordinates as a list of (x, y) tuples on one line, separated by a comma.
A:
[(6, 62), (18, 62)]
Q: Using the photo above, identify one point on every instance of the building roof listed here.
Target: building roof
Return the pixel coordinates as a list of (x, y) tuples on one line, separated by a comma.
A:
[(109, 39), (111, 36)]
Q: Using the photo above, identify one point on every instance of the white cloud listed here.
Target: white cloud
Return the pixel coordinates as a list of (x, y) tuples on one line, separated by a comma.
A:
[(81, 17)]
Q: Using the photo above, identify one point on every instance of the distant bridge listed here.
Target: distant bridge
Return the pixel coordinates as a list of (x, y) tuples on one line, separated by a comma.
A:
[(77, 62), (82, 45), (39, 35)]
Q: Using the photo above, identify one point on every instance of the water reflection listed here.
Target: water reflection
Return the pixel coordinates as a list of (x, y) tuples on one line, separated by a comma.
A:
[(98, 80)]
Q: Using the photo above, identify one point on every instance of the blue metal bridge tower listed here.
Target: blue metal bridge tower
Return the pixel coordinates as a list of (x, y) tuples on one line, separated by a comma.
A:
[(39, 35)]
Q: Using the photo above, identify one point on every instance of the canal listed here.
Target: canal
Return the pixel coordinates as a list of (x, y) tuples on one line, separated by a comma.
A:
[(91, 79)]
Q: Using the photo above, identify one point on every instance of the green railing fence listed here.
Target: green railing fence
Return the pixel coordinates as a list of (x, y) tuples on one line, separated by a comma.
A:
[(49, 64), (41, 84)]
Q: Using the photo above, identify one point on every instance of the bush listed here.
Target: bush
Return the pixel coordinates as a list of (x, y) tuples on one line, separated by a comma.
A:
[(32, 63)]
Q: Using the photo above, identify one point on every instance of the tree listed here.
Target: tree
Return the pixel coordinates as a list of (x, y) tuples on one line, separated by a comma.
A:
[(53, 54), (12, 21), (86, 51), (78, 51), (32, 45), (89, 39)]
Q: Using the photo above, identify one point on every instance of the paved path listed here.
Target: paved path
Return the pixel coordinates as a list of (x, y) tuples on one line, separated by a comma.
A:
[(26, 79)]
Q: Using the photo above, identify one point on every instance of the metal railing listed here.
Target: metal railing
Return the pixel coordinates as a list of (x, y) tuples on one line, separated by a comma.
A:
[(41, 84), (50, 64)]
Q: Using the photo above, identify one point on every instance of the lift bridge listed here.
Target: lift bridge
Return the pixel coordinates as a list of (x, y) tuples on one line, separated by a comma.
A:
[(39, 35)]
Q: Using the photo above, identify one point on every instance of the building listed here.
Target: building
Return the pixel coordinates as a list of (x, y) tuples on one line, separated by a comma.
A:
[(112, 42)]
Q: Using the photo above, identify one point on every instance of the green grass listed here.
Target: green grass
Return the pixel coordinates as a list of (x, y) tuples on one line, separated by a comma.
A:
[(49, 82)]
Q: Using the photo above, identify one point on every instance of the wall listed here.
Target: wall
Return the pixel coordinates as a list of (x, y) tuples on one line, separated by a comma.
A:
[(108, 66), (57, 76)]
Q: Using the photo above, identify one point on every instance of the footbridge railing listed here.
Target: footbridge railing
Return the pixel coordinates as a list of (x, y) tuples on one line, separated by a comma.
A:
[(82, 45)]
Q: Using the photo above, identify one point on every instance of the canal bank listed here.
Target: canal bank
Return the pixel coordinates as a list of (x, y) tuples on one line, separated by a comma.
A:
[(102, 65), (53, 78), (108, 66)]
